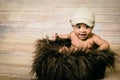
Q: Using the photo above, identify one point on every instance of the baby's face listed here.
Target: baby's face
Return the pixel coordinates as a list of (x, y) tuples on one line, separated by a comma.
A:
[(82, 31)]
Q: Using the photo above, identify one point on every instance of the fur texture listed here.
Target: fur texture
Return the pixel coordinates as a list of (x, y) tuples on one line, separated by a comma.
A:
[(50, 64)]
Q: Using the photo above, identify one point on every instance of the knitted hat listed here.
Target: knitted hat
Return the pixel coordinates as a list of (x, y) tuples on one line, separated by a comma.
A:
[(83, 15)]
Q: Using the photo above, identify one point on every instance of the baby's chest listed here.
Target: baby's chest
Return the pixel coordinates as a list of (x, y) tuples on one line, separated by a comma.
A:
[(83, 44)]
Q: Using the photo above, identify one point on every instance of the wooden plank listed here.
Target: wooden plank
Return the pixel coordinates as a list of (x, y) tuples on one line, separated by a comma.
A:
[(40, 9), (15, 57), (60, 17), (58, 2), (23, 47), (15, 64), (22, 31), (6, 77), (16, 25), (14, 72), (29, 36)]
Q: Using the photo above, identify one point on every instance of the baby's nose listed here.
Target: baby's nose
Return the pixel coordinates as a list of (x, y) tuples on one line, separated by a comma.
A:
[(82, 29)]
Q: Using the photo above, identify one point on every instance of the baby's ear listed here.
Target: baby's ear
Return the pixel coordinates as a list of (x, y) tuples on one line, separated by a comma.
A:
[(93, 24), (92, 27)]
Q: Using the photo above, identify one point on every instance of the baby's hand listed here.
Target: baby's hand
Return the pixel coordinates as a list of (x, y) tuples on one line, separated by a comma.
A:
[(54, 37), (64, 49)]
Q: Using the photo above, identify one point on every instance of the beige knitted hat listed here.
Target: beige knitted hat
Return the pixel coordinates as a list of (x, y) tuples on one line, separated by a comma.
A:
[(83, 15)]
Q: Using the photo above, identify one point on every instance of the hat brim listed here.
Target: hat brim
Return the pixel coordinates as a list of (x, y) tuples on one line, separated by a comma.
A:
[(82, 20)]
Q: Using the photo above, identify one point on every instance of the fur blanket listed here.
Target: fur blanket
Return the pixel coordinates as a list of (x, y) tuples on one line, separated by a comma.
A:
[(50, 64)]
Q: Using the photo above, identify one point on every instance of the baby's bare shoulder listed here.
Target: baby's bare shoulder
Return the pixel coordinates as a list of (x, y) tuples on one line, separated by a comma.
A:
[(97, 39), (71, 34), (95, 36)]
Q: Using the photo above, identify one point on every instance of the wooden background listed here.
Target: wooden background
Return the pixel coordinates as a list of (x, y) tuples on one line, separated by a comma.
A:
[(24, 21)]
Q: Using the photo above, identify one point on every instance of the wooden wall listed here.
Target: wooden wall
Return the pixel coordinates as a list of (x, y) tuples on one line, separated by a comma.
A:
[(24, 21)]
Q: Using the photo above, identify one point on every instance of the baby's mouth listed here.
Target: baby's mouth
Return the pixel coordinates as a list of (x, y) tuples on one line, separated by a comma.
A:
[(82, 35)]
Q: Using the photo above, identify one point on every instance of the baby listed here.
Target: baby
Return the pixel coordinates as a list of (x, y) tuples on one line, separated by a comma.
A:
[(66, 59), (82, 37)]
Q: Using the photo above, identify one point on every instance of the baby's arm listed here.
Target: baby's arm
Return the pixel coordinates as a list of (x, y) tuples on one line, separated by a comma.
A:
[(62, 36), (103, 44)]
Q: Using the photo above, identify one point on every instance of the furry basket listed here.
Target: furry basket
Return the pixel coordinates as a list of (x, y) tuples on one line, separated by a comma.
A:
[(50, 64)]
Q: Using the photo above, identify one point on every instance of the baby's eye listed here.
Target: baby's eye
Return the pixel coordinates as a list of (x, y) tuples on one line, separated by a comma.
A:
[(87, 26), (78, 26)]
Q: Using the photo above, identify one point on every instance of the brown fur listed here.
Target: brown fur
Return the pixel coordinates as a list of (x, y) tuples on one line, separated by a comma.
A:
[(50, 64)]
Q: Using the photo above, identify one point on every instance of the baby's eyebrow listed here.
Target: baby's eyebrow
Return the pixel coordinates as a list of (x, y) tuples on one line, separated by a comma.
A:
[(78, 24)]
